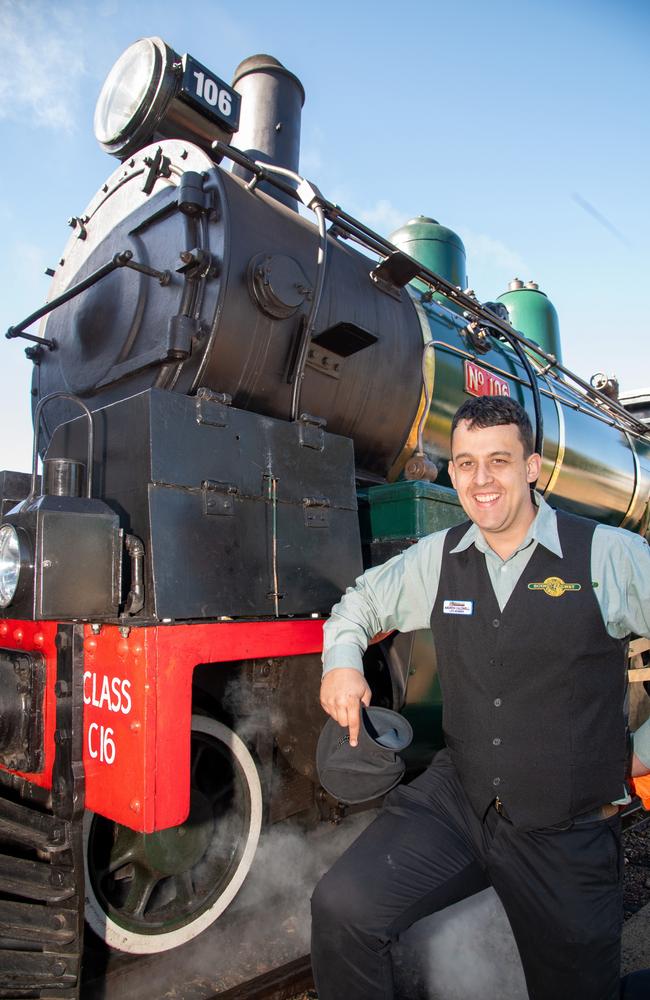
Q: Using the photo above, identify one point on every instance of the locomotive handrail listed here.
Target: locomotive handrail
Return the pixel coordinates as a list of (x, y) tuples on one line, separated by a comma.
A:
[(37, 427), (348, 226), (123, 258)]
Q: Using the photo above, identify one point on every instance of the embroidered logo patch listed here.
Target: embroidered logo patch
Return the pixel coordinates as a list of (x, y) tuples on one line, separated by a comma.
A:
[(554, 586), (458, 608)]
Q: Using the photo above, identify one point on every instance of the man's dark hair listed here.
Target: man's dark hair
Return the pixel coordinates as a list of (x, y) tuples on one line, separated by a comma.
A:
[(491, 411)]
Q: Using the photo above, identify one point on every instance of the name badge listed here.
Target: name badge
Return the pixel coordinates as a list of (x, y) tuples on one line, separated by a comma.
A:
[(458, 608)]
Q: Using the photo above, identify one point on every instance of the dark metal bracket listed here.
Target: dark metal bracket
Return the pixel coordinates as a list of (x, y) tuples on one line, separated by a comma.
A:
[(394, 272), (159, 166)]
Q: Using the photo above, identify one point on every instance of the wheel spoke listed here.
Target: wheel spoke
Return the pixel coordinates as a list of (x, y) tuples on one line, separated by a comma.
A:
[(196, 758), (139, 894), (119, 861), (123, 851), (185, 891)]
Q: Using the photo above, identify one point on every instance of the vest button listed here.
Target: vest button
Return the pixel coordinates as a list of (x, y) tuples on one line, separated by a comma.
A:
[(496, 742), (497, 703), (496, 622), (496, 781)]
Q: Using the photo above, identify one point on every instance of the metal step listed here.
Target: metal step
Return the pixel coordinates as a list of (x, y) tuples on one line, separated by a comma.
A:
[(42, 969), (20, 824), (43, 925), (35, 880)]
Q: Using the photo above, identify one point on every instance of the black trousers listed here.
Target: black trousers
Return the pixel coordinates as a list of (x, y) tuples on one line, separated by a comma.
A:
[(561, 889)]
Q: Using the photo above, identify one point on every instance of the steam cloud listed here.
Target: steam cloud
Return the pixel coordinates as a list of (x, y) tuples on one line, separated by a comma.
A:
[(464, 951)]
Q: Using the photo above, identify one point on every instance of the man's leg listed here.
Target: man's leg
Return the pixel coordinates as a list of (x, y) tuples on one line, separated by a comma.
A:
[(414, 859), (562, 892)]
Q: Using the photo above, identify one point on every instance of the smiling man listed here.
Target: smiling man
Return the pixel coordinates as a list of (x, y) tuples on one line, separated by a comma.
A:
[(530, 611)]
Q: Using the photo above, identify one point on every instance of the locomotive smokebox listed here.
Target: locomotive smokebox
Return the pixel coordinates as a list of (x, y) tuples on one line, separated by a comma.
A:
[(269, 126)]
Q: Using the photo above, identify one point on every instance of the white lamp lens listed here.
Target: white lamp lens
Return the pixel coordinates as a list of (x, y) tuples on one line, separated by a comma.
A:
[(124, 91), (9, 564)]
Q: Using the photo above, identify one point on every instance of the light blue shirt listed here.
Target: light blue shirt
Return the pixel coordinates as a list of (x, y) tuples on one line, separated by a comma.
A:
[(401, 593)]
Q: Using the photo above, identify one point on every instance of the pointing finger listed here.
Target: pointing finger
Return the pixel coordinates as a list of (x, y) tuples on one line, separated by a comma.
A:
[(354, 719)]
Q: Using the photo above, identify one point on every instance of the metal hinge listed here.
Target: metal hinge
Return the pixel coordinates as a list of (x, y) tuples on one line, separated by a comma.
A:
[(312, 431), (212, 407), (317, 513), (218, 498)]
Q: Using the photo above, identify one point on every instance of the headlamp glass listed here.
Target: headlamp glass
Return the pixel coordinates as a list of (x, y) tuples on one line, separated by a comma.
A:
[(127, 87), (9, 564)]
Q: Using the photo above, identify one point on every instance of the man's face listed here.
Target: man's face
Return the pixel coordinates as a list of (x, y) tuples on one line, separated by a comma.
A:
[(492, 476)]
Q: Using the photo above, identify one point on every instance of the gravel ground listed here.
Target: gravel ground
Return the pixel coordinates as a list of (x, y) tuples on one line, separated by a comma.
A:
[(636, 876)]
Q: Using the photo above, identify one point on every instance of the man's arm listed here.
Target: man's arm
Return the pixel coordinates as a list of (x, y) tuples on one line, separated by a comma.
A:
[(621, 571), (639, 768), (398, 595)]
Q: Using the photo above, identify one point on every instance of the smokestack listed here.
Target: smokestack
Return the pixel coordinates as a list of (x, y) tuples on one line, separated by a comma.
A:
[(269, 127)]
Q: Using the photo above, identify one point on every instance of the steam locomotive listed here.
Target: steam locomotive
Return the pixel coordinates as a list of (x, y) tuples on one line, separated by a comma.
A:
[(237, 408)]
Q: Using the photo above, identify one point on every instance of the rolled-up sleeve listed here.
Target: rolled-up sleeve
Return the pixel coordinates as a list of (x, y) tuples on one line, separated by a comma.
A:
[(620, 564), (621, 568), (399, 595)]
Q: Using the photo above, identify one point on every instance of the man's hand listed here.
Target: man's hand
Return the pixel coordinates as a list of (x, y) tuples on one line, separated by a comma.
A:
[(341, 694)]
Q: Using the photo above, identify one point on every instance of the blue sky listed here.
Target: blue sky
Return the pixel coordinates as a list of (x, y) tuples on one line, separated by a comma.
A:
[(523, 126)]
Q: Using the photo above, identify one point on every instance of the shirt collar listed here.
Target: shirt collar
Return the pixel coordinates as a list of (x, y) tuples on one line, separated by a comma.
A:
[(543, 530)]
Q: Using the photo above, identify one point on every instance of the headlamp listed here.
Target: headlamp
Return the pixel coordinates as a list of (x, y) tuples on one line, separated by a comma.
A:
[(153, 93), (10, 562), (128, 92)]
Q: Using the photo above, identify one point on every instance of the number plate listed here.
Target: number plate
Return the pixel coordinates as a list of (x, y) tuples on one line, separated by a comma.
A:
[(210, 95), (481, 382)]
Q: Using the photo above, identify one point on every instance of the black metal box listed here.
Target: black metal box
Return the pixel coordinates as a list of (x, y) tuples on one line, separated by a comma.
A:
[(241, 515), (71, 556), (14, 487)]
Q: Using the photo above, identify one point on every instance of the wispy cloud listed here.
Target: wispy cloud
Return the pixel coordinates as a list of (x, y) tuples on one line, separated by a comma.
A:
[(484, 251), (41, 63), (383, 216)]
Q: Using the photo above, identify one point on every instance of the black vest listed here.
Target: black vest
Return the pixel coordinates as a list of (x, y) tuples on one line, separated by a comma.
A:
[(533, 696)]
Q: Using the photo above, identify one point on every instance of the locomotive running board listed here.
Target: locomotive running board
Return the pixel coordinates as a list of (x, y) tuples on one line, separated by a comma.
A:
[(41, 854)]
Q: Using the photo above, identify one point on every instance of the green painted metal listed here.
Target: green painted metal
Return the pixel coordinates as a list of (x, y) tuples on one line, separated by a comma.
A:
[(533, 314), (438, 248), (409, 510)]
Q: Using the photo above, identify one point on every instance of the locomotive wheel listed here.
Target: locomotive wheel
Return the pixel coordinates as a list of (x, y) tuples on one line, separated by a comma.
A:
[(147, 893)]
